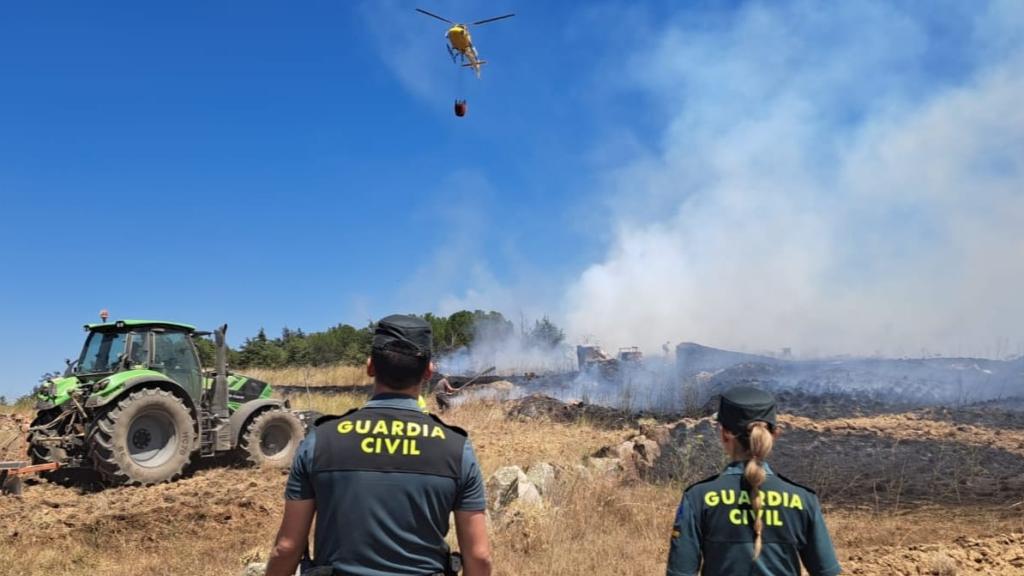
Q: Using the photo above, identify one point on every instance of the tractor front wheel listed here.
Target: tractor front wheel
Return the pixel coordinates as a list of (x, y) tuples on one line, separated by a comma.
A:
[(272, 437), (146, 438)]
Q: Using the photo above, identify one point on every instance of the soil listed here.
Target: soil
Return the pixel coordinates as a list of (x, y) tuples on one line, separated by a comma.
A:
[(994, 556), (210, 497), (12, 436)]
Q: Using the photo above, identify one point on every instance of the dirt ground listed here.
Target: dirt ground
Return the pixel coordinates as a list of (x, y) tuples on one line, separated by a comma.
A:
[(920, 492)]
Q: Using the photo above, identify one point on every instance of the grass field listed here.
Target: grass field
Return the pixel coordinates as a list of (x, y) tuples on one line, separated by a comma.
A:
[(222, 517), (336, 375)]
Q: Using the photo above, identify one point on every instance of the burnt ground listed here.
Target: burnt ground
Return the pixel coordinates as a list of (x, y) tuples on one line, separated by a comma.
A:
[(890, 459), (538, 406)]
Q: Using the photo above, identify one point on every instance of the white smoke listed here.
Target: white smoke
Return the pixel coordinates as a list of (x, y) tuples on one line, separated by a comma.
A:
[(509, 352), (824, 182)]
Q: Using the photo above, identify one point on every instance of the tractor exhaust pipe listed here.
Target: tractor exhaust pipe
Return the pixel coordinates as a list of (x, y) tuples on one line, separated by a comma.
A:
[(220, 382)]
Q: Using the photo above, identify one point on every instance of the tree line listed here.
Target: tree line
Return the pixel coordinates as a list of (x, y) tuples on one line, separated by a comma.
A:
[(346, 344)]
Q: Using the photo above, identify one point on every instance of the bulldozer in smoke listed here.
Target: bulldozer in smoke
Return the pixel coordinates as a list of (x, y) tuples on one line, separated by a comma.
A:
[(137, 407)]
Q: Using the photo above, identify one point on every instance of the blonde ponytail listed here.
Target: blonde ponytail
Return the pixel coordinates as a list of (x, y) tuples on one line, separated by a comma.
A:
[(760, 442)]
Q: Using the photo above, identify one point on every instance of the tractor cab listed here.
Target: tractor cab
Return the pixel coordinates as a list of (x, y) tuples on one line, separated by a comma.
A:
[(141, 346)]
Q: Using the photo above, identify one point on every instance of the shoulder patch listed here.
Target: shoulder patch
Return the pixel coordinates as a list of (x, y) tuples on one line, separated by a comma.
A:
[(797, 484), (711, 478), (329, 417), (455, 429)]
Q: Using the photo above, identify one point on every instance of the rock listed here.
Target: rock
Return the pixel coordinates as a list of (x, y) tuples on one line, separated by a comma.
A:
[(542, 475), (658, 433), (255, 569), (581, 472), (647, 451), (705, 428), (503, 486), (510, 484), (637, 457), (529, 495), (605, 467)]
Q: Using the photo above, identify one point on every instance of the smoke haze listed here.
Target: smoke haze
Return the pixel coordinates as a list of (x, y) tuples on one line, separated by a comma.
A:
[(836, 178)]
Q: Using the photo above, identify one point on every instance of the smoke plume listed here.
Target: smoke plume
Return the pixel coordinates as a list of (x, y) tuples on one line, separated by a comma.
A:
[(835, 178)]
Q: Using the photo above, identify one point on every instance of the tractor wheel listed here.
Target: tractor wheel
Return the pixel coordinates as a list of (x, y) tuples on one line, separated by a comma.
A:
[(146, 438), (272, 437)]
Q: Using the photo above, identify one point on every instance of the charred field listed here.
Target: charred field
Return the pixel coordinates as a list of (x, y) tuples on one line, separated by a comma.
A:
[(912, 483)]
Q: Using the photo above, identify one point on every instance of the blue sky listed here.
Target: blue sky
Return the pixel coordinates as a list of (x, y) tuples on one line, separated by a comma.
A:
[(263, 164), (271, 163)]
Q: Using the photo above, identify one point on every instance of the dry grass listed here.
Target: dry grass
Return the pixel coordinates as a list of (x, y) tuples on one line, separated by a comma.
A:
[(593, 527), (336, 375), (327, 404), (215, 521)]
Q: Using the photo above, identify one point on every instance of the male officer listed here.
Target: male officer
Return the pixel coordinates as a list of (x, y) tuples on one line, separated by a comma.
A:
[(749, 520), (382, 480)]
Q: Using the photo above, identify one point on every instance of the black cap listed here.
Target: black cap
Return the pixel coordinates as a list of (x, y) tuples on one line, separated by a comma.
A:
[(405, 334), (745, 404)]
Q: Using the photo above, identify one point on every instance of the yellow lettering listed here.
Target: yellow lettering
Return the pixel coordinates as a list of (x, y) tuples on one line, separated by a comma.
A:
[(392, 444), (397, 428), (736, 517), (381, 427), (367, 445), (437, 432), (728, 497), (796, 502), (778, 518), (774, 498), (412, 429), (345, 427), (362, 426), (413, 449), (744, 498), (711, 499)]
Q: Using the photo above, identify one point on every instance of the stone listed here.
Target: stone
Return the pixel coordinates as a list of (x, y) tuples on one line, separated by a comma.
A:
[(646, 452), (255, 569), (542, 475), (528, 495), (705, 428), (605, 467), (581, 472), (503, 486), (660, 434)]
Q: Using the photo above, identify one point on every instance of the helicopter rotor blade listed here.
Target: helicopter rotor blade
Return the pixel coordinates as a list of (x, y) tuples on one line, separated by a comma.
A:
[(486, 20), (422, 11)]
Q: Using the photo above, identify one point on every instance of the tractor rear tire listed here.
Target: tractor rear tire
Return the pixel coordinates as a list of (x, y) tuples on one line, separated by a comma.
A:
[(271, 438), (146, 438)]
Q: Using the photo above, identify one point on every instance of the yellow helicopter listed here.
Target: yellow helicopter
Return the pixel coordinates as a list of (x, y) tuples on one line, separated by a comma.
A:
[(460, 44)]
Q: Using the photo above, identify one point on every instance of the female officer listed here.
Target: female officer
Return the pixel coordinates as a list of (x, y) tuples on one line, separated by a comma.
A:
[(749, 520)]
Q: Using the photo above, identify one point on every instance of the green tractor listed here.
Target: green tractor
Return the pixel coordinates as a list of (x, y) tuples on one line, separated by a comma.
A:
[(137, 408)]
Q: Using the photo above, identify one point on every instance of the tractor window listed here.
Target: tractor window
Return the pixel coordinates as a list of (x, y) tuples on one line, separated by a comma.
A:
[(102, 352), (174, 356), (139, 350)]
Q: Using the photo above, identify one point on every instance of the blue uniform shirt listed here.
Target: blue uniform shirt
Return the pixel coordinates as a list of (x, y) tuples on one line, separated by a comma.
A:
[(376, 523), (713, 532)]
